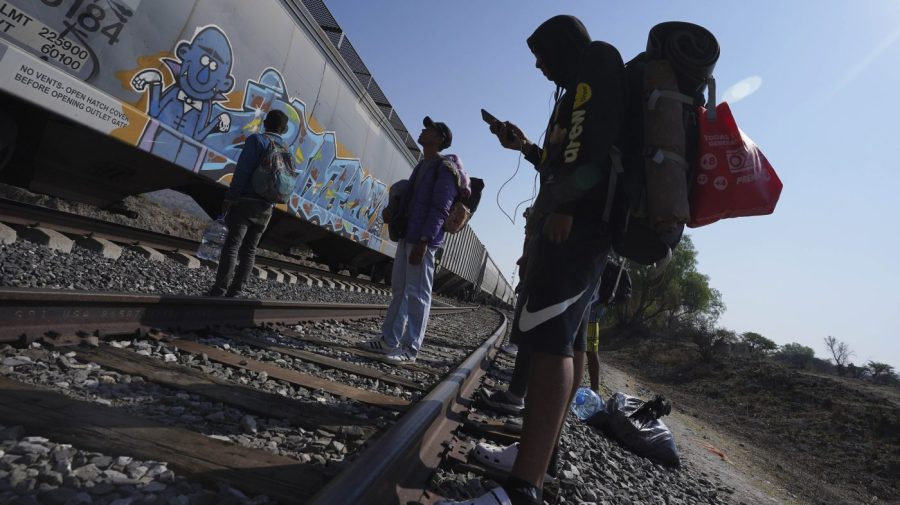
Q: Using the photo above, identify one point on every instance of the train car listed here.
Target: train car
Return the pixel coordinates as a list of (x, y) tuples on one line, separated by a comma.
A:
[(460, 264), (491, 278), (102, 99)]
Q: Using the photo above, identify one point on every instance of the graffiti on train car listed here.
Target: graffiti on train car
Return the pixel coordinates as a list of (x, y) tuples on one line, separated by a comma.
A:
[(192, 126)]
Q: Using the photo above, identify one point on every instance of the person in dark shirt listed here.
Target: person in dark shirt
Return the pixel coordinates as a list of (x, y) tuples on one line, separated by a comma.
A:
[(246, 213), (568, 240)]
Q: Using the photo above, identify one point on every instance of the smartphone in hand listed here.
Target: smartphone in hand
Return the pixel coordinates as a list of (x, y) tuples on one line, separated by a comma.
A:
[(488, 118)]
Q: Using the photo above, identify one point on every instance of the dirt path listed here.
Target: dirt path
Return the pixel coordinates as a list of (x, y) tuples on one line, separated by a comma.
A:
[(715, 453)]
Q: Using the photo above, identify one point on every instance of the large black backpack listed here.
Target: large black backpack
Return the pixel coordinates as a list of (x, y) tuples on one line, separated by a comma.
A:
[(650, 178)]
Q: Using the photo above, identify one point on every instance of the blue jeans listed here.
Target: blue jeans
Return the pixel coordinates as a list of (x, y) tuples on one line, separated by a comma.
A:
[(407, 316)]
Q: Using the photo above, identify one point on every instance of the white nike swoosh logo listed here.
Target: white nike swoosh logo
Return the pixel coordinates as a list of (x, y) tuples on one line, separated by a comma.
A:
[(528, 320)]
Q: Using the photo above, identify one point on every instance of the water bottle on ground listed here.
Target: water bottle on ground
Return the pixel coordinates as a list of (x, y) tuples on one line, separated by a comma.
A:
[(586, 403), (213, 237)]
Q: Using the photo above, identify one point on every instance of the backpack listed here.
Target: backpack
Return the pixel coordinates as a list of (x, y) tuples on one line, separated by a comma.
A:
[(467, 198), (275, 177), (395, 208), (648, 203)]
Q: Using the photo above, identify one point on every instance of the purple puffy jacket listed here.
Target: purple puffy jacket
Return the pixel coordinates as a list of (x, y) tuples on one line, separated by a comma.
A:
[(436, 183)]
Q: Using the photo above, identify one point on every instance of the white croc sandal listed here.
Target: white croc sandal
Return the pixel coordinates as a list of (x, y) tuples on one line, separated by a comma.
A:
[(496, 496), (497, 457), (500, 457)]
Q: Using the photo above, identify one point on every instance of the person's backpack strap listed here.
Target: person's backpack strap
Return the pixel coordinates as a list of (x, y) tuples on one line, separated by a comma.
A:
[(615, 289), (711, 102), (615, 171), (656, 94)]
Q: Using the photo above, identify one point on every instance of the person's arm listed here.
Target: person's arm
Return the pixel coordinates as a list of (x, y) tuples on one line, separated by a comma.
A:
[(247, 163), (512, 137), (532, 153)]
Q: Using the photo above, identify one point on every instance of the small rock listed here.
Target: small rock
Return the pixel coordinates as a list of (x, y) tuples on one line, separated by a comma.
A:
[(16, 361), (87, 473), (248, 424), (102, 462), (216, 417), (24, 447), (154, 487)]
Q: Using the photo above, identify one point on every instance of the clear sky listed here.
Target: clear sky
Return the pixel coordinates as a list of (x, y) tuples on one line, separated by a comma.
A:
[(825, 113)]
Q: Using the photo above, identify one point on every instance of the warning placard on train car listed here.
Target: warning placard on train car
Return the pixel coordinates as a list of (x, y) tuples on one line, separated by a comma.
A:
[(42, 84)]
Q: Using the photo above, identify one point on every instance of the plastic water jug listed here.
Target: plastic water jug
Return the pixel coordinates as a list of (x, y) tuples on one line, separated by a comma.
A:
[(213, 237), (586, 403)]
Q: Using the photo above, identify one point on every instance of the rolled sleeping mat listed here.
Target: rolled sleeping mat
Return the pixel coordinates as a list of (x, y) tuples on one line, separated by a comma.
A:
[(692, 49), (665, 166)]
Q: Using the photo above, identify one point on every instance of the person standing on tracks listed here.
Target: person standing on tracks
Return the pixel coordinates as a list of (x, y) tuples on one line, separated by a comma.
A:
[(432, 188), (568, 238), (246, 212)]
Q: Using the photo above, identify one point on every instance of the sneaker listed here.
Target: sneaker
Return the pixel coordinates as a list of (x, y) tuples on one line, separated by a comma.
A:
[(401, 354), (378, 345), (499, 457), (501, 401), (510, 349), (496, 496), (513, 425)]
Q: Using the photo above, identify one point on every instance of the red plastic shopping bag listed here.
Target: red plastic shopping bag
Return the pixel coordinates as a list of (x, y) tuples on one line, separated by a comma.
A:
[(733, 178)]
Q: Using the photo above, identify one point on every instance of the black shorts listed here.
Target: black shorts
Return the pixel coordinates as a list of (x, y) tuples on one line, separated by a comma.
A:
[(559, 282)]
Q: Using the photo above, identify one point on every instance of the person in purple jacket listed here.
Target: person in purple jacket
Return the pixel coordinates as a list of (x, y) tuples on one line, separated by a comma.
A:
[(433, 186)]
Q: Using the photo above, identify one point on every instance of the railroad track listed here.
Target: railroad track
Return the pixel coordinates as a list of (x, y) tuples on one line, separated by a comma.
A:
[(28, 217), (27, 314), (271, 398)]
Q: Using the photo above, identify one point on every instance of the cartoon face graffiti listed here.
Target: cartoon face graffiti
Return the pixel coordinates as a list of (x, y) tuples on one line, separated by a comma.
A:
[(205, 70), (202, 76)]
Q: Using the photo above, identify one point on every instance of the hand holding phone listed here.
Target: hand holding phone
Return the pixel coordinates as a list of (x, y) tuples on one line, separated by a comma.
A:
[(504, 130)]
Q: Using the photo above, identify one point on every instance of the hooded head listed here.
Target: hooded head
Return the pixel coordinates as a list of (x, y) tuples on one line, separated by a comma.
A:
[(558, 43)]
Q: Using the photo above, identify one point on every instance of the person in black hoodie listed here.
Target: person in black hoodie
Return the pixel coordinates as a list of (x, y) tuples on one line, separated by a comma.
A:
[(568, 239)]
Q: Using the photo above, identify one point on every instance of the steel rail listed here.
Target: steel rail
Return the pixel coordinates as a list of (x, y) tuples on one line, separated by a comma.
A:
[(26, 214), (396, 468), (28, 314)]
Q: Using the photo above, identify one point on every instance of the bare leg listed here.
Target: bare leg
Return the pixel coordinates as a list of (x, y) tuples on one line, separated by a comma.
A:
[(593, 364), (549, 388), (578, 373)]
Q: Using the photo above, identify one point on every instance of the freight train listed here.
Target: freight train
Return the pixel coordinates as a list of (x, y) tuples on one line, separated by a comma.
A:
[(102, 99)]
